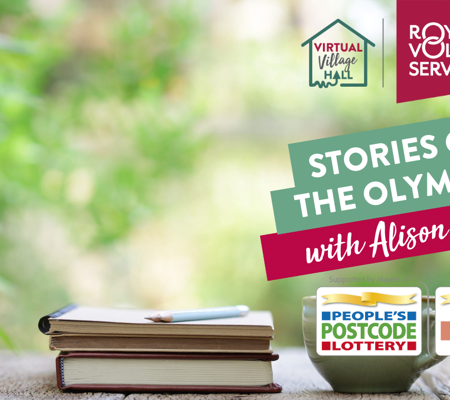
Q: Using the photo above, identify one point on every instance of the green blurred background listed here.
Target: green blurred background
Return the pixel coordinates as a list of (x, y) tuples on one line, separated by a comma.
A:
[(140, 140)]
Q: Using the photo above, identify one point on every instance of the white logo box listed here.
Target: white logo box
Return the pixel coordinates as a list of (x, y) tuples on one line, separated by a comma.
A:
[(360, 330), (442, 322)]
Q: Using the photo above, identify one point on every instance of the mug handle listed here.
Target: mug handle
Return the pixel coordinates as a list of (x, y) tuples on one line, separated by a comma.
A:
[(425, 361)]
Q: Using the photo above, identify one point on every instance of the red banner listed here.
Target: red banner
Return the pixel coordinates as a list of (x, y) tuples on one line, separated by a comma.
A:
[(356, 243), (423, 49)]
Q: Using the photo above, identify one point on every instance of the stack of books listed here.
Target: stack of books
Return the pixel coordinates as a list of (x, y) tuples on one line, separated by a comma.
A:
[(118, 350)]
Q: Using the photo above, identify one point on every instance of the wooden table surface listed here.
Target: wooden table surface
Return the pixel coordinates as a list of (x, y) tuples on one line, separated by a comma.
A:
[(33, 376)]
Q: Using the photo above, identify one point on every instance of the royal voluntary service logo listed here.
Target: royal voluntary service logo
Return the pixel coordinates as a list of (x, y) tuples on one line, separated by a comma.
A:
[(423, 49), (338, 56)]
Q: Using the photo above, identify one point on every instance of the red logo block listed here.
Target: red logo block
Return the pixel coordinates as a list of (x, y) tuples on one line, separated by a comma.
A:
[(326, 346), (423, 49), (411, 345)]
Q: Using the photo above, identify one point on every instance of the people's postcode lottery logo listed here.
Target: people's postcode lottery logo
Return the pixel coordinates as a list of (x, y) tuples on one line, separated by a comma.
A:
[(376, 321)]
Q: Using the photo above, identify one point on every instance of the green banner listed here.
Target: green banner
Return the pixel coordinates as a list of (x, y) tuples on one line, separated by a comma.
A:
[(366, 175)]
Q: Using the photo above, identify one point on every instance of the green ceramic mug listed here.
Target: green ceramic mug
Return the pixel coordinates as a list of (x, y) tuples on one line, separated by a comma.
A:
[(370, 374)]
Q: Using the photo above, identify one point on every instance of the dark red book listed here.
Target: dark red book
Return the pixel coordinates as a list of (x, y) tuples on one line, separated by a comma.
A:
[(167, 372)]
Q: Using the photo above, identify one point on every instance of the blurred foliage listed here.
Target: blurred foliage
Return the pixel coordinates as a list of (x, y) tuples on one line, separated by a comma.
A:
[(93, 127), (92, 122), (110, 196), (7, 340)]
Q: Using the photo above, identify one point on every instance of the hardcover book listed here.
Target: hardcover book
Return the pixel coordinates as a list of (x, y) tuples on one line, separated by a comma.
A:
[(76, 342), (166, 372), (76, 328)]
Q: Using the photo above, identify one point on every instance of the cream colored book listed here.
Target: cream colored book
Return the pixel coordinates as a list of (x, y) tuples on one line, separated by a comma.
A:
[(124, 321)]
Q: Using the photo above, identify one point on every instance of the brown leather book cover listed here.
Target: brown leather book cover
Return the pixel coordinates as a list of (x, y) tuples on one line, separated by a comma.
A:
[(271, 388), (157, 344)]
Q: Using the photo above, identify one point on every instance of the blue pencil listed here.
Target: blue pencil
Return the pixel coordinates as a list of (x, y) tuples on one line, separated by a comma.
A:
[(196, 315)]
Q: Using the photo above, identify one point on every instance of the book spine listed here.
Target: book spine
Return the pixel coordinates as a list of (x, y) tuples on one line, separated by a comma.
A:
[(44, 323), (61, 371)]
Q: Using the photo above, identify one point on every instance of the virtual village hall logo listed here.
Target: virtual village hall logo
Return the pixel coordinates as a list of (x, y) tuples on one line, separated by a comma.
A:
[(333, 60)]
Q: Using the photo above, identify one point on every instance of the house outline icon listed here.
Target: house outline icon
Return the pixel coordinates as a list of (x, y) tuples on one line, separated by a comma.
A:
[(311, 39)]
